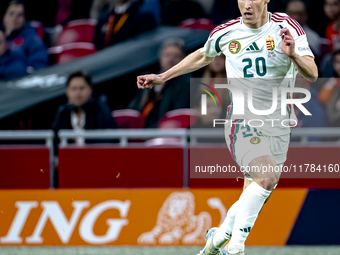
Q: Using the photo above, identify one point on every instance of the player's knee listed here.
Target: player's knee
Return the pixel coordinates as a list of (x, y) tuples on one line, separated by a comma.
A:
[(267, 183)]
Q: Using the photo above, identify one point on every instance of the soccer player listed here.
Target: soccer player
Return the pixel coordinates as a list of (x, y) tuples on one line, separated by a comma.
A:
[(268, 49)]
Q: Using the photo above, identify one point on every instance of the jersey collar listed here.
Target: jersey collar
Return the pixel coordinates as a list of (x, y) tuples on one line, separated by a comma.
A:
[(257, 30)]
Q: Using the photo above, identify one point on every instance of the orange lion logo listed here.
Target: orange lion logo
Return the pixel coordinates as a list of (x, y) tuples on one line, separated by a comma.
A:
[(176, 222)]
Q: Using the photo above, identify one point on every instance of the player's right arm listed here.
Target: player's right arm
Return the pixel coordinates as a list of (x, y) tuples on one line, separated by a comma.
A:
[(191, 63)]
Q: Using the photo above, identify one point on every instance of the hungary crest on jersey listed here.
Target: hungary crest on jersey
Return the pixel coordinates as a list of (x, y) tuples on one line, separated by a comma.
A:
[(234, 47), (270, 43)]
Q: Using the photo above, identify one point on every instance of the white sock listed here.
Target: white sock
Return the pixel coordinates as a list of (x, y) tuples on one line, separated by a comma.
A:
[(249, 206), (224, 232)]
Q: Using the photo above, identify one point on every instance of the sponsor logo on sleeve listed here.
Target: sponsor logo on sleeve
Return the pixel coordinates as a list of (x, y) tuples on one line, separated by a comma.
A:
[(304, 49)]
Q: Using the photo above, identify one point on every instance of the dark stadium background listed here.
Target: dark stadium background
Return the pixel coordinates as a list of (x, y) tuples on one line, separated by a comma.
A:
[(149, 164)]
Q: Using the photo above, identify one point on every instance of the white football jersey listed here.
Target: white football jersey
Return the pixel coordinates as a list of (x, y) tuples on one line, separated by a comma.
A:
[(254, 60)]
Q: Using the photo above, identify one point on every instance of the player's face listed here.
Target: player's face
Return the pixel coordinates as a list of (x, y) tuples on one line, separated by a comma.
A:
[(170, 57), (14, 17), (252, 11), (297, 11), (78, 92), (332, 9)]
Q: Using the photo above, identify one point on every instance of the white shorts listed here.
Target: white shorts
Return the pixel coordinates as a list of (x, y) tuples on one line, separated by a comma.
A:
[(246, 143)]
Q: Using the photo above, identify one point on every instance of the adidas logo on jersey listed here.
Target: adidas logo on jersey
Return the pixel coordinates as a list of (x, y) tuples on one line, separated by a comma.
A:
[(253, 47)]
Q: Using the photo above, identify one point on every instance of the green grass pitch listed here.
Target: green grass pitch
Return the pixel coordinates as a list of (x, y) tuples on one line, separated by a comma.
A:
[(109, 250)]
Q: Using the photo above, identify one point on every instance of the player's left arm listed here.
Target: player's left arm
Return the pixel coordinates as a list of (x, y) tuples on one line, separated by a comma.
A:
[(305, 64)]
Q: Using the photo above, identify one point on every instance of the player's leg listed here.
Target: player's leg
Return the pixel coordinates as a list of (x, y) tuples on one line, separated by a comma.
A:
[(223, 233), (237, 143), (242, 145), (217, 237), (246, 183), (251, 202), (253, 149)]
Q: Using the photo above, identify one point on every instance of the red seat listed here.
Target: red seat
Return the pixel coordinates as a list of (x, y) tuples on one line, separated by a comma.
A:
[(71, 51), (39, 28), (180, 118), (128, 118), (202, 23), (77, 31)]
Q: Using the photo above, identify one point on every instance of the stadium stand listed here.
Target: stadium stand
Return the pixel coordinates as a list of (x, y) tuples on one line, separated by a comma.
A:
[(202, 23), (180, 118), (128, 118), (71, 51), (77, 31)]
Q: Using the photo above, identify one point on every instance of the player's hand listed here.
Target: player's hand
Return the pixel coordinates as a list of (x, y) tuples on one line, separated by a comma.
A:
[(148, 81), (288, 42)]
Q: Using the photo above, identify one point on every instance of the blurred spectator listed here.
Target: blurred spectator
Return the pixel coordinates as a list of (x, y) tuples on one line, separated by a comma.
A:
[(330, 93), (11, 63), (318, 19), (327, 67), (333, 107), (332, 11), (175, 11), (71, 10), (23, 39), (146, 6), (319, 116), (123, 22), (82, 111), (329, 87), (55, 12), (296, 9), (172, 95)]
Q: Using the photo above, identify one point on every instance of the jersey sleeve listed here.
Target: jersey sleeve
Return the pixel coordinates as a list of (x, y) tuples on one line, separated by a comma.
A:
[(211, 47), (302, 47), (301, 44)]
